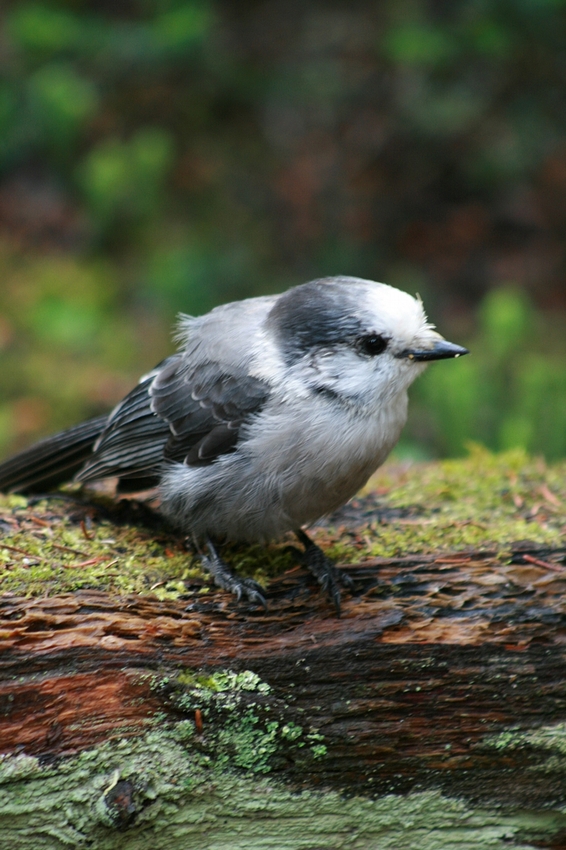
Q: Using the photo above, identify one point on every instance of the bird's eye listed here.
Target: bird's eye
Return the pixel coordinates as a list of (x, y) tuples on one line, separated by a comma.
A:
[(373, 344)]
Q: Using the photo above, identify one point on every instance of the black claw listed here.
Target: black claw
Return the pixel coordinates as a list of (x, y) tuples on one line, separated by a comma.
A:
[(257, 598), (253, 591), (323, 569), (228, 580), (346, 580)]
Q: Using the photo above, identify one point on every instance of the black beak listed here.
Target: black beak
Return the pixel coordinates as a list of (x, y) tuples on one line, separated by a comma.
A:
[(441, 350)]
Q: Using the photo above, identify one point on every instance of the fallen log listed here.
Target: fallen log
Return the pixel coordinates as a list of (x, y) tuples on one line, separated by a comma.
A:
[(431, 714)]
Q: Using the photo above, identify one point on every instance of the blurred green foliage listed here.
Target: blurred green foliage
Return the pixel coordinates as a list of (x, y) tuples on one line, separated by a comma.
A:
[(123, 181), (67, 347), (511, 391), (165, 155)]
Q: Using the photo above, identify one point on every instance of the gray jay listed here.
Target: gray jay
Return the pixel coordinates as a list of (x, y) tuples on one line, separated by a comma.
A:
[(273, 413)]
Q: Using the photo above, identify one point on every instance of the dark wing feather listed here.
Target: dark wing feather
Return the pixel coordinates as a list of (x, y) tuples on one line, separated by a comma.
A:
[(205, 407), (181, 412), (131, 445)]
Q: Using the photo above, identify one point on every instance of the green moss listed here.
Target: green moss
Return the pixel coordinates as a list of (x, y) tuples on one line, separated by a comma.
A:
[(181, 798), (485, 501), (222, 681), (239, 726), (55, 546), (550, 739)]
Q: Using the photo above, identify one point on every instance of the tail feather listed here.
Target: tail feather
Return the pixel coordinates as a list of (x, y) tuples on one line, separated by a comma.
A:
[(52, 461)]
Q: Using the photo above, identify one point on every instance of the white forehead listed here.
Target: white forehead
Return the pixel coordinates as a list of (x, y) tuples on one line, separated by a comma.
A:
[(392, 311)]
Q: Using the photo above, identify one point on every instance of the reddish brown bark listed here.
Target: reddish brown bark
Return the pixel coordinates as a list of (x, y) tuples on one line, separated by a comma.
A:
[(406, 687)]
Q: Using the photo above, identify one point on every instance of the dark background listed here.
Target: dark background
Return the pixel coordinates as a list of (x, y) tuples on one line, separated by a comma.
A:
[(166, 155)]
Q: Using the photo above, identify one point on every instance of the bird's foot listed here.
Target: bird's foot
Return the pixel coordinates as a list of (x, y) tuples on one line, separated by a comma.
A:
[(225, 578), (323, 569)]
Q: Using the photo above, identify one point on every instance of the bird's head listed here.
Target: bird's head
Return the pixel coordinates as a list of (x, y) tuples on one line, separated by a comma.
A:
[(362, 341)]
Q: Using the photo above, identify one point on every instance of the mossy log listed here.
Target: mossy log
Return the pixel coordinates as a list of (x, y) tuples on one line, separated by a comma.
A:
[(162, 714)]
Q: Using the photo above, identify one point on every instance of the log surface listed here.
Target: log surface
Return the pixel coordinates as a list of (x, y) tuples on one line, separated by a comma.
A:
[(404, 699), (432, 714)]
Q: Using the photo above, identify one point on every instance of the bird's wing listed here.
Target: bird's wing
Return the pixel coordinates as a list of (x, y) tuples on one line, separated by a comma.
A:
[(186, 411), (204, 406)]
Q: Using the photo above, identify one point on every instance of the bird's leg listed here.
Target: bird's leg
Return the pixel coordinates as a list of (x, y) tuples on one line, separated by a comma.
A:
[(225, 578), (323, 569)]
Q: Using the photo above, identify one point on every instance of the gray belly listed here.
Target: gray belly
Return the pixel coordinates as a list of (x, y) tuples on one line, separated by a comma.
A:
[(281, 478)]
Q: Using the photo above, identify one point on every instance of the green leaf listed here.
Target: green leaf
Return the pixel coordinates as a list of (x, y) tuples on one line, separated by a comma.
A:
[(183, 27), (123, 180), (41, 29), (505, 316), (62, 99), (422, 44)]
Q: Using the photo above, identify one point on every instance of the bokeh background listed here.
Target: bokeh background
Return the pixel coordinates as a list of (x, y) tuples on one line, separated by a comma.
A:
[(167, 155)]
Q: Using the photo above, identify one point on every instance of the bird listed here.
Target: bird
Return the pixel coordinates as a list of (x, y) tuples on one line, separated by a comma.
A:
[(273, 412)]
